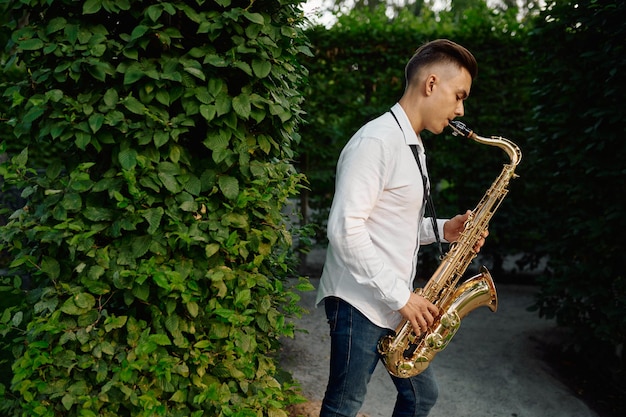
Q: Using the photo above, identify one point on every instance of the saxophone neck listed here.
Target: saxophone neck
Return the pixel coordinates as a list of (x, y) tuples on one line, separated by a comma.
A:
[(511, 149)]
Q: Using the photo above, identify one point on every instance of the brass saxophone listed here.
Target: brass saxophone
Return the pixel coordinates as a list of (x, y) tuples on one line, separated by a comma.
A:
[(405, 354)]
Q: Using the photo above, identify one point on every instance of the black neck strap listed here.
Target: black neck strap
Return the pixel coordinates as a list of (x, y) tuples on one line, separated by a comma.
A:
[(427, 196)]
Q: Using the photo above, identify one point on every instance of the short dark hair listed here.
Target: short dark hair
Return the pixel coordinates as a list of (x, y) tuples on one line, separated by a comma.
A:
[(440, 50)]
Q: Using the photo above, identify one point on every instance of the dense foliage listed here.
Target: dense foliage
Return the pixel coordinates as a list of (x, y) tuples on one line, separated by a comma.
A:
[(151, 252), (577, 150), (560, 104)]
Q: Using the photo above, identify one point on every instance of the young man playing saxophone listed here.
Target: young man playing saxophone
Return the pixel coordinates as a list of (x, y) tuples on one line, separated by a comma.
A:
[(375, 229)]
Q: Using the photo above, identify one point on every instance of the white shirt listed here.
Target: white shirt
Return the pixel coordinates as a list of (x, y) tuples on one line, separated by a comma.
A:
[(376, 220)]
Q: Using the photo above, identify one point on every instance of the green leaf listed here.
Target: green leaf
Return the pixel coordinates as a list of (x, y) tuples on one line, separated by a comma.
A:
[(241, 105), (92, 6), (261, 68), (113, 322), (203, 344), (244, 66), (192, 308), (208, 111), (95, 121), (243, 298), (163, 97), (160, 138), (196, 72), (138, 32), (134, 105), (96, 214), (133, 74), (160, 339), (160, 279), (223, 104), (169, 181), (51, 267), (140, 245), (153, 216), (229, 187), (111, 97), (211, 249), (33, 114), (84, 300), (154, 12), (255, 17), (31, 44), (68, 401), (55, 24), (127, 158)]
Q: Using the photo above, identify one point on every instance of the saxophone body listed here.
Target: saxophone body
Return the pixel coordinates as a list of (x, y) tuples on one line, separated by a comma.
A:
[(405, 354)]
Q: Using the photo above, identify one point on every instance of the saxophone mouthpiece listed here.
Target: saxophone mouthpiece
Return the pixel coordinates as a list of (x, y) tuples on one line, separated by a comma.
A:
[(460, 128)]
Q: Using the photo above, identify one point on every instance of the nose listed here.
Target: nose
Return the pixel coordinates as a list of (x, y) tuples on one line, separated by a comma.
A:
[(460, 109)]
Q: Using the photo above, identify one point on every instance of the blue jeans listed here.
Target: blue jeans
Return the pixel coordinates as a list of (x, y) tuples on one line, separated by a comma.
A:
[(353, 358)]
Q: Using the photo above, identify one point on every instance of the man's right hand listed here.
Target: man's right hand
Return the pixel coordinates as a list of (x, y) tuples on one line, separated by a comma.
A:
[(420, 312)]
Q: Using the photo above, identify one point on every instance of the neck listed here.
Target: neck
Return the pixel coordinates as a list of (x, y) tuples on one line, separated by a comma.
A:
[(409, 105)]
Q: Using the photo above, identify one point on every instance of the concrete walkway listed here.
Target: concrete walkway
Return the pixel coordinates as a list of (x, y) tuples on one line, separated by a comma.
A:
[(493, 367)]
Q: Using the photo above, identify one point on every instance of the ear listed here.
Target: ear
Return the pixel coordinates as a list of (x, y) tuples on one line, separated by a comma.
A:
[(429, 84)]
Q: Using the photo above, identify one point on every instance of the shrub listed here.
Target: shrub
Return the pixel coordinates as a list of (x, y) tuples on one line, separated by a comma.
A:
[(152, 233)]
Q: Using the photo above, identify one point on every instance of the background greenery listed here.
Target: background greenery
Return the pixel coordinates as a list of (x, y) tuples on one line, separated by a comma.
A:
[(151, 142), (179, 106), (549, 81)]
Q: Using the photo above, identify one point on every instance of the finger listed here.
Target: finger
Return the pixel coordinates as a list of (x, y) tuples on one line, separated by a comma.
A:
[(433, 310), (416, 328)]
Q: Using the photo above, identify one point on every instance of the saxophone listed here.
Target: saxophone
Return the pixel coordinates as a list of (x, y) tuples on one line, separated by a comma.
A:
[(406, 354)]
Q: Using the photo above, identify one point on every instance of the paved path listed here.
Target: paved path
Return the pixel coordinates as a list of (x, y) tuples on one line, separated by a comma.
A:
[(492, 368)]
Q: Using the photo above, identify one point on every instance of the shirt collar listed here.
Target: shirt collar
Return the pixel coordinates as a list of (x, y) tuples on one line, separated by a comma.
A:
[(410, 137)]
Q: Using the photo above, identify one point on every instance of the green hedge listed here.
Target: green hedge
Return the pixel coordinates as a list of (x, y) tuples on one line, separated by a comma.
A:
[(153, 240), (577, 150)]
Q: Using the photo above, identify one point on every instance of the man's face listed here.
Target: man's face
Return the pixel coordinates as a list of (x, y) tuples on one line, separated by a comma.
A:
[(447, 88)]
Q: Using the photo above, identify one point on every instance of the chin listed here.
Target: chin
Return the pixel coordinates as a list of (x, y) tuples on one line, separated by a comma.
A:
[(435, 131)]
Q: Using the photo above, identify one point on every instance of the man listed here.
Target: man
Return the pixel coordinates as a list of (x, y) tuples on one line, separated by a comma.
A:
[(376, 226)]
